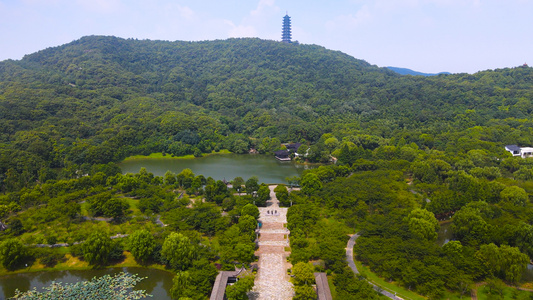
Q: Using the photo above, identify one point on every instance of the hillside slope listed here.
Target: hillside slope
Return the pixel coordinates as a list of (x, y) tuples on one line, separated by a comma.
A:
[(100, 99)]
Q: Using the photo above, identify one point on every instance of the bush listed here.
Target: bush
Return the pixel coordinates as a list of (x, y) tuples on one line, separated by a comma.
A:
[(141, 244), (49, 257), (238, 290), (117, 251), (16, 227), (97, 247), (157, 256), (12, 254), (77, 251)]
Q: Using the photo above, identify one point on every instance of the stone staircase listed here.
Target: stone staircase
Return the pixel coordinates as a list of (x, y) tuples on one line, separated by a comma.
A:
[(272, 281)]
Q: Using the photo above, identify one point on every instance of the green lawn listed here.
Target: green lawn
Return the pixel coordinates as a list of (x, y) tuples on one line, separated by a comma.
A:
[(455, 296), (508, 293), (160, 155), (84, 209), (133, 206), (482, 294), (73, 263), (332, 288), (400, 292)]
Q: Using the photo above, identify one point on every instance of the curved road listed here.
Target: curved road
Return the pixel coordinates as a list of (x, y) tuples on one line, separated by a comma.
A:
[(351, 263)]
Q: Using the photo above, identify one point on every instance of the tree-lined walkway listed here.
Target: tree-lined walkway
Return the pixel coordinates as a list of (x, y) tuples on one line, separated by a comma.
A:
[(351, 263), (272, 281)]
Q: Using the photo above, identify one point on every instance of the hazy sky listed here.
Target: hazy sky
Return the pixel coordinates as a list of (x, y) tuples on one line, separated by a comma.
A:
[(423, 35)]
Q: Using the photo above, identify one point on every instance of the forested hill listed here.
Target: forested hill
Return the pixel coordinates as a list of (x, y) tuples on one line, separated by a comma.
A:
[(100, 99), (248, 71)]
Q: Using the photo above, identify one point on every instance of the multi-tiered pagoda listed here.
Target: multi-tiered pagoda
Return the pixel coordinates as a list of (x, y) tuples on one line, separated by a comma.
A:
[(286, 30)]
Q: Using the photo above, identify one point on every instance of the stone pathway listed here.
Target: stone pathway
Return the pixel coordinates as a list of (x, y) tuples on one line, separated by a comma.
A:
[(272, 281)]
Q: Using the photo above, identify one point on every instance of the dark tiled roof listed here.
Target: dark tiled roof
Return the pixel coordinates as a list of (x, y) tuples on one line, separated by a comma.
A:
[(322, 286), (293, 147), (513, 147), (219, 287), (282, 153)]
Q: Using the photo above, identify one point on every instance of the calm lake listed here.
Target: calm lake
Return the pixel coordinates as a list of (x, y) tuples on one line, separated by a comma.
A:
[(157, 284), (223, 166)]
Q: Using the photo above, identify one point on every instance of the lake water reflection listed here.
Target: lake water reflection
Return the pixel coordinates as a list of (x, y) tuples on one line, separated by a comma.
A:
[(223, 166), (158, 283), (445, 233)]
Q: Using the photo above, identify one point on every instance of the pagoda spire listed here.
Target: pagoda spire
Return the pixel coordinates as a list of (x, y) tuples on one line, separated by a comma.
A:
[(286, 29)]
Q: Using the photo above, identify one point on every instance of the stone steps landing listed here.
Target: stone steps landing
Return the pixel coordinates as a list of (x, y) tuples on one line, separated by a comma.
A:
[(272, 231), (272, 225), (284, 243)]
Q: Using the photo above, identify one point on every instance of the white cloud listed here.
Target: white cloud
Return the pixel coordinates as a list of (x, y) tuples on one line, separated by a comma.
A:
[(393, 5), (349, 21), (252, 25), (242, 31), (462, 3), (185, 12), (173, 10), (100, 6), (409, 11), (263, 6)]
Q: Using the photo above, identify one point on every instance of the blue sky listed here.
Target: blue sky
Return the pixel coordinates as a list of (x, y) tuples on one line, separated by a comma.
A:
[(423, 35)]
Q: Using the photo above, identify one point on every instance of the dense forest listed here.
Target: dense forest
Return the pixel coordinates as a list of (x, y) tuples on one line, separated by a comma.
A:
[(101, 99), (410, 151)]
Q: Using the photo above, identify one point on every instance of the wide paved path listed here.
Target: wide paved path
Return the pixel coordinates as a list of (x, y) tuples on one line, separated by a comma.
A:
[(272, 281)]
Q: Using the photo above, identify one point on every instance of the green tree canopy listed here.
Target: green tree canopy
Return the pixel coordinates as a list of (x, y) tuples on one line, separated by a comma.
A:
[(505, 262), (304, 292), (105, 204), (239, 290), (310, 184), (12, 253), (469, 226), (96, 248), (179, 251), (250, 210), (181, 285), (141, 245), (247, 224), (514, 195), (423, 224), (282, 194), (238, 182), (252, 184), (263, 195), (169, 178), (303, 274)]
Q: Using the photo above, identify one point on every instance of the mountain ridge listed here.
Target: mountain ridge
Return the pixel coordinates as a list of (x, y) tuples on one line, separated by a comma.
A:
[(406, 71)]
